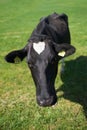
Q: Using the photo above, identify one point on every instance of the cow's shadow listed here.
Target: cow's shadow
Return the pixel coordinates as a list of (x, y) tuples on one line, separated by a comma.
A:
[(75, 81)]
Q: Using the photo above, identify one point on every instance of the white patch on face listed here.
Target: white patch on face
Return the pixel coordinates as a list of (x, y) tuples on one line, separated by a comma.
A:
[(39, 47)]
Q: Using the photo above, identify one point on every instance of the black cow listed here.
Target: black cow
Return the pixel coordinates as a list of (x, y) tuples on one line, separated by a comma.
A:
[(48, 43)]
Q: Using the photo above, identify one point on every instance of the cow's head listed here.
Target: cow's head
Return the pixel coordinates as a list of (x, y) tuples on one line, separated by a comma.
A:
[(42, 59)]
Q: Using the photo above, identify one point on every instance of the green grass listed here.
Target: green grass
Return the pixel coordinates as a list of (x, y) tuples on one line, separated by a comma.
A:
[(18, 108)]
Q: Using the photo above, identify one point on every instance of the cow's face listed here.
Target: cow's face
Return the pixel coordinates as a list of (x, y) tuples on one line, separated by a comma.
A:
[(42, 61)]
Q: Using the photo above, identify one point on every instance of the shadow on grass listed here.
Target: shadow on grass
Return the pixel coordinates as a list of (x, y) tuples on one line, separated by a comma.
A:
[(75, 81)]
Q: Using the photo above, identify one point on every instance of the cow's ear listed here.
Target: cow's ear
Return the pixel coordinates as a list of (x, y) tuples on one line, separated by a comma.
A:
[(64, 49), (64, 17), (16, 56)]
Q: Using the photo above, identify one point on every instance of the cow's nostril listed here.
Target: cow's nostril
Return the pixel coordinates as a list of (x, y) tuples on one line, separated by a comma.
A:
[(42, 102), (45, 102)]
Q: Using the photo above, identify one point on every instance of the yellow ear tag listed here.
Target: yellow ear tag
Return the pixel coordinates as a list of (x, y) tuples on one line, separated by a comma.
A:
[(62, 53), (17, 60)]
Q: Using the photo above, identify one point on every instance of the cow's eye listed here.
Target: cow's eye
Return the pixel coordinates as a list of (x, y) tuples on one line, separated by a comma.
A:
[(53, 61), (30, 64)]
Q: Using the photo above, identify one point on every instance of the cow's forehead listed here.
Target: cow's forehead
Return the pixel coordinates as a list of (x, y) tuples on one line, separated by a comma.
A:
[(39, 47)]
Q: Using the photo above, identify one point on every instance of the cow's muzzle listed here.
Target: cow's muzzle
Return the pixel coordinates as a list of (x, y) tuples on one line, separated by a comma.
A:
[(45, 102)]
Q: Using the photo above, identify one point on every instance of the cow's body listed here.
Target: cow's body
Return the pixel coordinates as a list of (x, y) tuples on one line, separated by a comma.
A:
[(48, 43)]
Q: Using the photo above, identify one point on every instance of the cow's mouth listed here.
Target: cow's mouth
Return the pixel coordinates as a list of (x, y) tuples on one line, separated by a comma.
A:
[(45, 102)]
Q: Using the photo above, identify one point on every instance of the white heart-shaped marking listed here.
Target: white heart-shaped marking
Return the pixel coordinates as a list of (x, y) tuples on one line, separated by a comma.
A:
[(39, 47)]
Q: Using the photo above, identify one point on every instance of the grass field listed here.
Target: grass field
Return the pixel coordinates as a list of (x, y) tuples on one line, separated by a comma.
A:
[(18, 108)]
